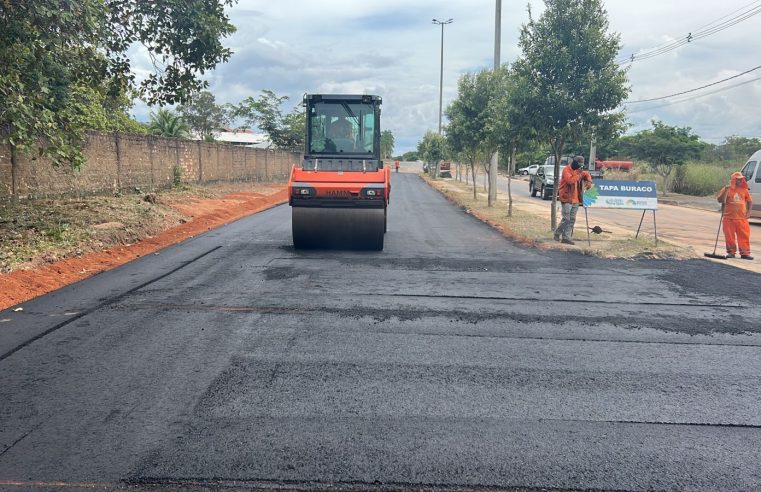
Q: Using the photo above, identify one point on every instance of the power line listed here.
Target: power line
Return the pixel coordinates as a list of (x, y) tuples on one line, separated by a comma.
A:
[(693, 90), (733, 12), (692, 98), (711, 28), (701, 33)]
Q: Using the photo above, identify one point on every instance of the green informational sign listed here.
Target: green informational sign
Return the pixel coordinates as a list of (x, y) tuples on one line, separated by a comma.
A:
[(630, 195)]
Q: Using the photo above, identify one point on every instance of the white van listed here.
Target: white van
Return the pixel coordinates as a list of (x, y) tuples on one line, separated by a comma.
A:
[(752, 172)]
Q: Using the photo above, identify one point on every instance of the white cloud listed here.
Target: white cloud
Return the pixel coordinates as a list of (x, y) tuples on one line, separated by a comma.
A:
[(390, 47)]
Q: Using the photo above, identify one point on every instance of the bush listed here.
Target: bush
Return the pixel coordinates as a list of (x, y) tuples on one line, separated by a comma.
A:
[(688, 179), (176, 176), (699, 179)]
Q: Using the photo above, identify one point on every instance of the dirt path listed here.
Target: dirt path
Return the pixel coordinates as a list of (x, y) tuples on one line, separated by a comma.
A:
[(202, 215), (679, 225)]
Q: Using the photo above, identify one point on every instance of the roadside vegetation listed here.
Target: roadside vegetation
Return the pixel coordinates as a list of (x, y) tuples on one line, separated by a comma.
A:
[(530, 228), (530, 110), (45, 230), (691, 178), (67, 69)]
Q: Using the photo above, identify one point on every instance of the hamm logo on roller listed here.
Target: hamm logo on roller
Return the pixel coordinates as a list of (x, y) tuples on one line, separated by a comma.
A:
[(338, 193)]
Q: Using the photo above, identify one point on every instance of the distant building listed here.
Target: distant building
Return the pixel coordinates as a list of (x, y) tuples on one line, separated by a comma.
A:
[(242, 137)]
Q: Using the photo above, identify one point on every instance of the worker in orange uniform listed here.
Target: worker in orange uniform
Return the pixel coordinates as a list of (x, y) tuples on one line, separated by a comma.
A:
[(396, 165), (573, 181), (737, 204)]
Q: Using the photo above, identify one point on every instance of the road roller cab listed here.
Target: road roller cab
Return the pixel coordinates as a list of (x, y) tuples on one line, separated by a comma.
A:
[(339, 193)]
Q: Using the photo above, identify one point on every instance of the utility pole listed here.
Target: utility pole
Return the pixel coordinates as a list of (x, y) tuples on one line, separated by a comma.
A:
[(441, 72), (495, 157)]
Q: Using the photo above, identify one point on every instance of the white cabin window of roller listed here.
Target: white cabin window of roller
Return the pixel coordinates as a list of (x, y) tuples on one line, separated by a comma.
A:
[(340, 128)]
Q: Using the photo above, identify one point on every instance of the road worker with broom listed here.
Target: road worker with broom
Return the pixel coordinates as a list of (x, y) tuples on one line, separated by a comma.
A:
[(737, 204)]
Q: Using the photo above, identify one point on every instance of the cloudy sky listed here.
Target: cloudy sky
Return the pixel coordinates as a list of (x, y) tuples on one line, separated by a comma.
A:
[(391, 48)]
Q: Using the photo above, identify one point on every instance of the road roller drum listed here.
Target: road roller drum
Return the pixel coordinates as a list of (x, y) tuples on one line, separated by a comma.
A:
[(335, 228), (339, 194)]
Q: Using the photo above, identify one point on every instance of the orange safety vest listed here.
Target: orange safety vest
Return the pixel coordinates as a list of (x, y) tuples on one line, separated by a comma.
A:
[(736, 201), (569, 189)]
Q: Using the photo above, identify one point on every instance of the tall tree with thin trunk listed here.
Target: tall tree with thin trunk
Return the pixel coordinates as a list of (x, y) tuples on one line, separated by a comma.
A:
[(467, 129), (284, 131), (204, 115), (568, 60), (432, 149), (387, 144), (508, 128)]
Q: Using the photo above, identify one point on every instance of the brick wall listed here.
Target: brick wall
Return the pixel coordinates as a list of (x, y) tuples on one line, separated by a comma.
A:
[(122, 161)]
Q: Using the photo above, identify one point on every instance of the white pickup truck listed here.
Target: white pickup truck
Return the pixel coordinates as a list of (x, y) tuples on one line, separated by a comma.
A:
[(752, 172)]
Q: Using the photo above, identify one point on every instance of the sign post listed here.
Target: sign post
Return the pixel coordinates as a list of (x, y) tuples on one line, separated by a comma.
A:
[(625, 195)]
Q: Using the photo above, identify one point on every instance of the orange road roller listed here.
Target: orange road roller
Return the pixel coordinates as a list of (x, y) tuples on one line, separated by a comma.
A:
[(339, 193)]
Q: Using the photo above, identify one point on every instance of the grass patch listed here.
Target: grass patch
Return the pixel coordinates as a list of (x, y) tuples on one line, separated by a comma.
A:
[(533, 229), (35, 232), (692, 178), (46, 230), (700, 179), (41, 231)]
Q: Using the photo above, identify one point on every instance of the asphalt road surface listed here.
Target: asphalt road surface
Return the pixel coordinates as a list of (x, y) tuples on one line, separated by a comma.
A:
[(453, 359)]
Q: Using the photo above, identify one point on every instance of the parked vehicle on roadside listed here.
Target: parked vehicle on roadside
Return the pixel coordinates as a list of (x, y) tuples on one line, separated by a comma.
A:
[(752, 172), (445, 169), (564, 160), (543, 182), (528, 170), (596, 171)]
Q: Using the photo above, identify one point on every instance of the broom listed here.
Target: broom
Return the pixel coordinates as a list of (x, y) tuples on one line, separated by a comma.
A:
[(716, 244)]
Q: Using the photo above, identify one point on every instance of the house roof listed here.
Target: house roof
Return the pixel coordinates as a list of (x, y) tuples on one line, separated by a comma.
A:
[(242, 137)]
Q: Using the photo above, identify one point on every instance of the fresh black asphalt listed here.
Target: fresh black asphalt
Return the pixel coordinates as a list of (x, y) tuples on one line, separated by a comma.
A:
[(454, 359)]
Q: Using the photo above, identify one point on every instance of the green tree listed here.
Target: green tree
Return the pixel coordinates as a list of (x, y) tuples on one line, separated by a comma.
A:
[(93, 109), (568, 61), (467, 132), (294, 130), (664, 147), (52, 51), (733, 149), (166, 123), (432, 148), (508, 127), (607, 132), (285, 131), (387, 144), (412, 155), (203, 115)]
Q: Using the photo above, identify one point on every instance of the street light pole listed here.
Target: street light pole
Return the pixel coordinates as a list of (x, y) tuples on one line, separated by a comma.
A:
[(493, 165), (441, 73)]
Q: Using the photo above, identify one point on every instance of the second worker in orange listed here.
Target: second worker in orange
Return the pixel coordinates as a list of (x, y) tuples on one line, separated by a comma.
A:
[(737, 203)]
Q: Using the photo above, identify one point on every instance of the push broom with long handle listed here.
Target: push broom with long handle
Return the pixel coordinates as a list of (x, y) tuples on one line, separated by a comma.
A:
[(721, 219)]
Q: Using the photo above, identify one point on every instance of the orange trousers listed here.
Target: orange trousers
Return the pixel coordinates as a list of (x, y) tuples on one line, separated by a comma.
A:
[(737, 231)]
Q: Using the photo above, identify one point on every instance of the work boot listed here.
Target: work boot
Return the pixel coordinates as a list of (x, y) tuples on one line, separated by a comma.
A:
[(746, 257), (567, 241), (556, 237), (730, 255)]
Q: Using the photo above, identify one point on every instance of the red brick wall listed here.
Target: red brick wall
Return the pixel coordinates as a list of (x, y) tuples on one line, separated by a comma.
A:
[(122, 161)]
